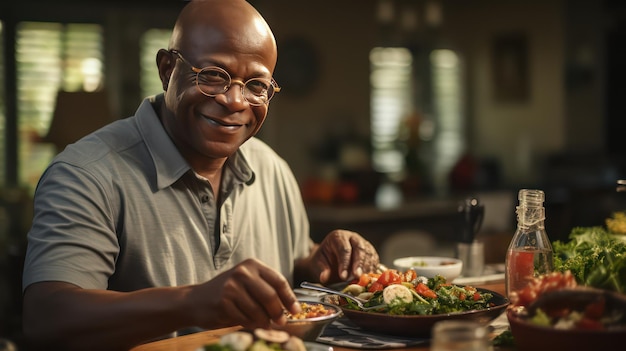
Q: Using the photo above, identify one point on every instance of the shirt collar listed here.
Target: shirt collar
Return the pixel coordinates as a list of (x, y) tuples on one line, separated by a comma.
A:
[(169, 164)]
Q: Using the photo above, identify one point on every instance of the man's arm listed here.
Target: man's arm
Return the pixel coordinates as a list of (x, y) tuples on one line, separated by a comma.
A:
[(62, 316)]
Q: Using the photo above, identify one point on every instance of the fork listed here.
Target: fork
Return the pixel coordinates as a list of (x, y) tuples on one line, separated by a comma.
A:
[(360, 302)]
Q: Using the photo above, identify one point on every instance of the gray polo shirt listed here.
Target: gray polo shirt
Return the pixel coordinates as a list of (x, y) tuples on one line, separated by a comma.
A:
[(121, 209)]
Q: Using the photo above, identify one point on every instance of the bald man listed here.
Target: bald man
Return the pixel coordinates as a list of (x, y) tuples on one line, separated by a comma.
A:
[(178, 218)]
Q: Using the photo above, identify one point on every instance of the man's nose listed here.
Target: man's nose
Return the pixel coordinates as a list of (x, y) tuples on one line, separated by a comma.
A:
[(235, 92)]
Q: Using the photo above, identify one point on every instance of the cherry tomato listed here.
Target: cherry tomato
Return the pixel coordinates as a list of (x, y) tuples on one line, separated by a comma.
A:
[(430, 294), (525, 296), (425, 291), (476, 296), (375, 286), (389, 277), (364, 279), (545, 283), (470, 289)]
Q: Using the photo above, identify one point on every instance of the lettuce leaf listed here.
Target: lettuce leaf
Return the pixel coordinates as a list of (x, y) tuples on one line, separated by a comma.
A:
[(594, 256)]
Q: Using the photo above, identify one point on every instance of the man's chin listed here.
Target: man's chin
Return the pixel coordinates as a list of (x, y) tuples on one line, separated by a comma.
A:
[(221, 150)]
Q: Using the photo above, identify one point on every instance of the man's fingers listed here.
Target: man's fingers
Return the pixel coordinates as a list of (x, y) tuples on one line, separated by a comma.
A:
[(277, 284)]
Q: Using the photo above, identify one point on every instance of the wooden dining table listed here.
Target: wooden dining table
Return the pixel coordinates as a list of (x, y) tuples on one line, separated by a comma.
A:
[(194, 341)]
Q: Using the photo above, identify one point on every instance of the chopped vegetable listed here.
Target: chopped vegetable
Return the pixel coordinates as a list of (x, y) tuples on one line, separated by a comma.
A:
[(504, 339), (593, 315), (260, 340), (271, 336), (389, 277), (541, 318), (237, 341), (425, 291), (354, 289), (309, 310), (420, 295), (616, 224), (594, 256), (541, 285), (397, 294)]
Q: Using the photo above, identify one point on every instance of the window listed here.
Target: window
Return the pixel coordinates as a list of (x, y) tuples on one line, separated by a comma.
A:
[(50, 57), (392, 106), (151, 42), (449, 141), (56, 56), (391, 101)]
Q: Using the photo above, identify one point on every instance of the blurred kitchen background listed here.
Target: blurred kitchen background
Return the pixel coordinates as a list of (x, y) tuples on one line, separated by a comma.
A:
[(392, 111)]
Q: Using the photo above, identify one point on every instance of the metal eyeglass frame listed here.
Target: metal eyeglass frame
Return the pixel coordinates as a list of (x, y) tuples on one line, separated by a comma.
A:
[(271, 82)]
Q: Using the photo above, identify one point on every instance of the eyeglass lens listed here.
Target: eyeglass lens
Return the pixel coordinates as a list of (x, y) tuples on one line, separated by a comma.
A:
[(213, 81)]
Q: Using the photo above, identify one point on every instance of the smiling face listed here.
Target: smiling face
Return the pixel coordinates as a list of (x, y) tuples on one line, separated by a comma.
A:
[(230, 35)]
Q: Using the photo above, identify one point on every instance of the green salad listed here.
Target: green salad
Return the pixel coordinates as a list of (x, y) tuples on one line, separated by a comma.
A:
[(434, 296), (595, 256)]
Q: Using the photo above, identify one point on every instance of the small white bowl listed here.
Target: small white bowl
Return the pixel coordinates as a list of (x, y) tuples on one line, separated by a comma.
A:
[(430, 266)]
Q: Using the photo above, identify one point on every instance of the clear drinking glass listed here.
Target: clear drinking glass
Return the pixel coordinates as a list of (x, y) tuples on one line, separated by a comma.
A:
[(460, 335)]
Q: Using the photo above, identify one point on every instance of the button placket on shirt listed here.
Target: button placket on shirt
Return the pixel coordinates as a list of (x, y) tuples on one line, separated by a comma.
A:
[(225, 249), (205, 199), (207, 202)]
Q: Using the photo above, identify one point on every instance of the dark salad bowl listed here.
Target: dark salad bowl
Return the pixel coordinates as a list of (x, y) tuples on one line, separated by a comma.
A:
[(417, 325), (530, 336)]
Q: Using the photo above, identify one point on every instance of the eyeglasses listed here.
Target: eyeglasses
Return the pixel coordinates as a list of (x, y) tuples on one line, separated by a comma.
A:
[(212, 81)]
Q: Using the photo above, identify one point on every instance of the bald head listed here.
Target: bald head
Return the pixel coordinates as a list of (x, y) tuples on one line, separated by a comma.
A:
[(208, 23)]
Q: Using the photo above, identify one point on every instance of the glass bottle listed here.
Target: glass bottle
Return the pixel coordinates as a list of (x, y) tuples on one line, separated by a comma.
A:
[(530, 252)]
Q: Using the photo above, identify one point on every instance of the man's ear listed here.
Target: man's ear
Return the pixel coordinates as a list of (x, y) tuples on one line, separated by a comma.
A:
[(165, 63)]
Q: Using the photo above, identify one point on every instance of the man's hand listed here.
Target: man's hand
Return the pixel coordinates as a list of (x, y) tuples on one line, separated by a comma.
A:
[(251, 294), (342, 255)]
